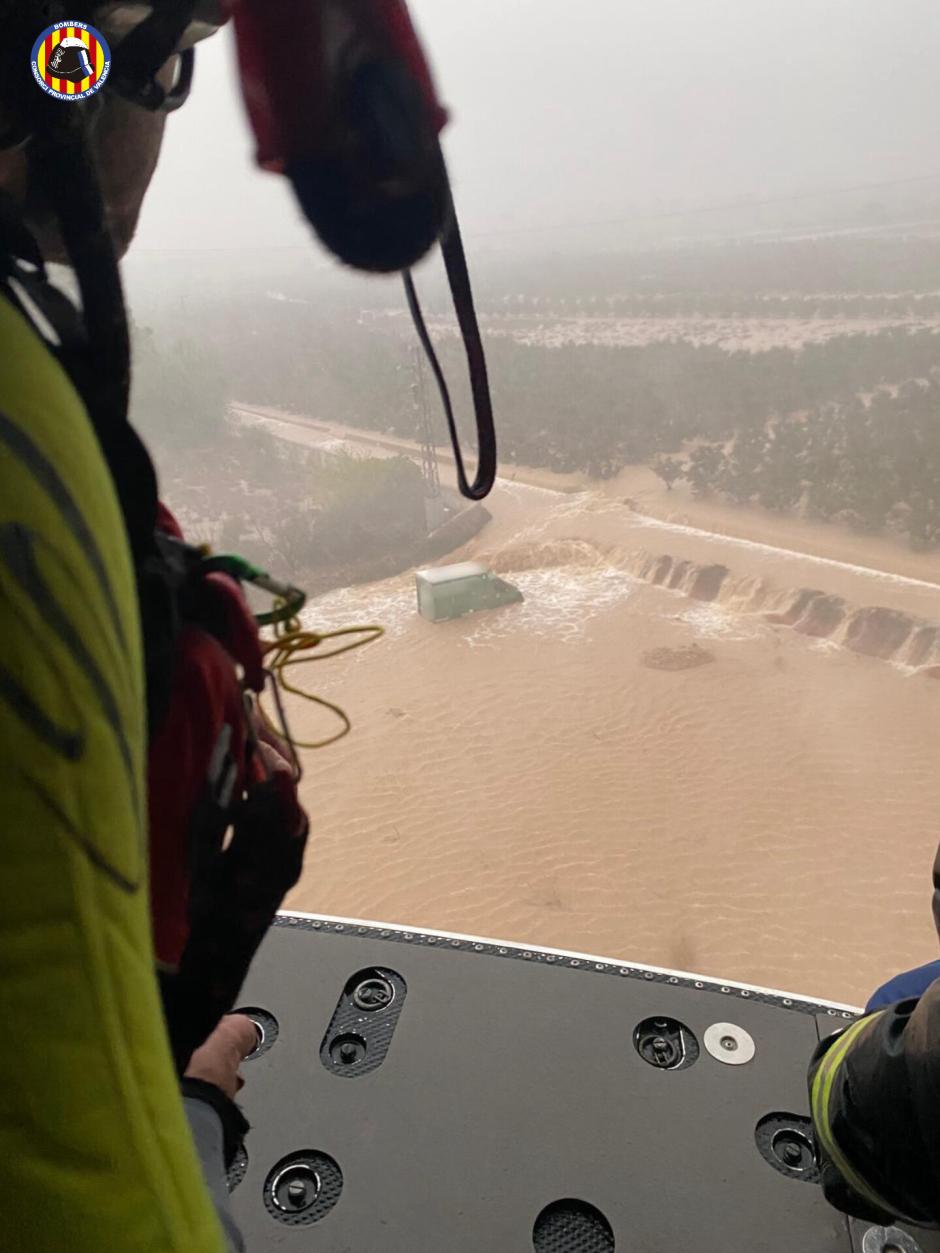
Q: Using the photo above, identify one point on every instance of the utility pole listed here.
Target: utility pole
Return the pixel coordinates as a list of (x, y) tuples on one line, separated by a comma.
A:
[(434, 511)]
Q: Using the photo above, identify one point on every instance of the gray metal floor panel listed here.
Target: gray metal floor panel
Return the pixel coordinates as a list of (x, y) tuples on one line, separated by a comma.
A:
[(511, 1083)]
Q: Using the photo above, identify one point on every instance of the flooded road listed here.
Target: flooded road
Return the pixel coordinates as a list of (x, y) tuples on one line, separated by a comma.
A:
[(737, 785)]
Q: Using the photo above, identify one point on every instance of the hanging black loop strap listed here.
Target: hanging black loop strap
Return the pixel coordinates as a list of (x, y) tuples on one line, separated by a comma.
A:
[(458, 278), (139, 57)]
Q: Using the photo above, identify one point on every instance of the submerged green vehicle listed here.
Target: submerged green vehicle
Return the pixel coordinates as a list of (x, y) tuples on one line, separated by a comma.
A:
[(451, 591)]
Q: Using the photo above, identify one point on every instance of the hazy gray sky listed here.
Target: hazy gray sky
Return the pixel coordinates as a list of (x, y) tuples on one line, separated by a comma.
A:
[(565, 111)]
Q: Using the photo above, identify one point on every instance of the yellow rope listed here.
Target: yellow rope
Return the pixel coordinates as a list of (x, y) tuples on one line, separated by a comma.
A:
[(293, 646)]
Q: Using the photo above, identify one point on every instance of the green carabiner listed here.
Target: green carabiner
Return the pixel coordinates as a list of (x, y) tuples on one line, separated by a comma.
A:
[(294, 598)]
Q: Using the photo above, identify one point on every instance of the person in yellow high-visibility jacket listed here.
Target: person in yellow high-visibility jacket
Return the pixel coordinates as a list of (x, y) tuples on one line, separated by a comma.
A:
[(95, 1149)]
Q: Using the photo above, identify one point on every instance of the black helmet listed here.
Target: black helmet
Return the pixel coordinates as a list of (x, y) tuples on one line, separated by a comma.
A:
[(70, 60)]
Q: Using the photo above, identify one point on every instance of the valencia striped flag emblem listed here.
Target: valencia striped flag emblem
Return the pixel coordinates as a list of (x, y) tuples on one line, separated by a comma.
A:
[(70, 60)]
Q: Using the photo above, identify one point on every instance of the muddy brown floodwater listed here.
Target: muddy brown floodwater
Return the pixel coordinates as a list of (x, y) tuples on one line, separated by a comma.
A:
[(728, 776)]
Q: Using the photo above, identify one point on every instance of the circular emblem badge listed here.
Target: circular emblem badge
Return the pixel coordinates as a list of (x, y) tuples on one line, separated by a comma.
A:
[(71, 60)]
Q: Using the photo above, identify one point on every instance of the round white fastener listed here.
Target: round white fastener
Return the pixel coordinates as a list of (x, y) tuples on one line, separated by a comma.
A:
[(888, 1240), (729, 1044)]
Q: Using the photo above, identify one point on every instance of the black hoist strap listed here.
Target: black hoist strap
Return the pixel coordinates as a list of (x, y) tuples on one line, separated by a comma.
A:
[(458, 278)]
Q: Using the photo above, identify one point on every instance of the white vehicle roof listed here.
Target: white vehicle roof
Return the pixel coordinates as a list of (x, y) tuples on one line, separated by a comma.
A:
[(447, 574)]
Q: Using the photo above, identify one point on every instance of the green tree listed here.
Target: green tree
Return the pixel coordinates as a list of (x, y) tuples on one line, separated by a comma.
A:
[(669, 469), (704, 467)]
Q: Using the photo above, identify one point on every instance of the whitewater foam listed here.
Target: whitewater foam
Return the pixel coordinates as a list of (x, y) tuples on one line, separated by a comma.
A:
[(715, 623), (872, 630)]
